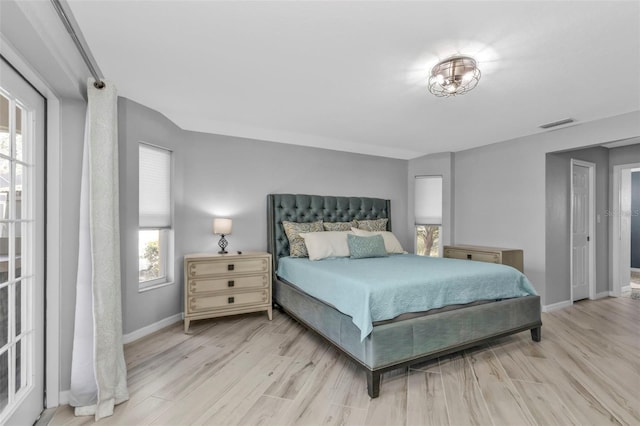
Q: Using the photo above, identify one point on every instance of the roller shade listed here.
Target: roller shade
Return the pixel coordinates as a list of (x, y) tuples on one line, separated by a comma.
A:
[(428, 200), (155, 187)]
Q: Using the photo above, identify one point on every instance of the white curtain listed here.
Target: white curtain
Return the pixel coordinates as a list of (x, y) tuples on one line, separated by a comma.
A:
[(98, 369)]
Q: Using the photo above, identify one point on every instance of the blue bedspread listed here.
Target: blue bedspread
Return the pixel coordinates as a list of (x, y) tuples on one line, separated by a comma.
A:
[(370, 290)]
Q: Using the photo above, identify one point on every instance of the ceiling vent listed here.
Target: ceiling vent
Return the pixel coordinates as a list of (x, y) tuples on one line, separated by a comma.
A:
[(557, 123)]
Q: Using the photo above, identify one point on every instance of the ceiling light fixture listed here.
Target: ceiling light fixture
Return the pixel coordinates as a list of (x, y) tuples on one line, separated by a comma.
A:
[(454, 76)]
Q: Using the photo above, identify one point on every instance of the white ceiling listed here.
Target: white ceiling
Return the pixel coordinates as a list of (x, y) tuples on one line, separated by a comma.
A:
[(352, 76)]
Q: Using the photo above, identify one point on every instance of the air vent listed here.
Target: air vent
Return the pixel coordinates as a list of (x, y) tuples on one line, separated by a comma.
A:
[(557, 123)]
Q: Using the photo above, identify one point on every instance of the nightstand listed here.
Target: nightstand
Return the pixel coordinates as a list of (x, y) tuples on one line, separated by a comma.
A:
[(511, 257), (217, 285)]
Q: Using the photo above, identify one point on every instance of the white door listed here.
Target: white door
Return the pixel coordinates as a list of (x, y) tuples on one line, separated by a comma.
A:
[(22, 245), (580, 232)]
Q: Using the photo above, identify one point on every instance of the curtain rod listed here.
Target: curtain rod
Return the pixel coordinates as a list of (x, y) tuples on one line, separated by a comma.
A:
[(99, 84)]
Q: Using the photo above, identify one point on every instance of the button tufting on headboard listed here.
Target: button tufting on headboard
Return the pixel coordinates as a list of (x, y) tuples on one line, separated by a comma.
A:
[(311, 208)]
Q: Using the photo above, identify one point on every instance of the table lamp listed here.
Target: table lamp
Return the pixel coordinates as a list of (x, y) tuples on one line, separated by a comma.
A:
[(222, 227)]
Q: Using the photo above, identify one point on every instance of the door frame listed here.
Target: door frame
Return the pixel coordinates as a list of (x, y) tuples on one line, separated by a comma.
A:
[(26, 401), (592, 228), (616, 239), (52, 224)]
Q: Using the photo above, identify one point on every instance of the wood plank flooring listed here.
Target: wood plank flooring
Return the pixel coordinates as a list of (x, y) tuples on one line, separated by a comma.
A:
[(246, 370)]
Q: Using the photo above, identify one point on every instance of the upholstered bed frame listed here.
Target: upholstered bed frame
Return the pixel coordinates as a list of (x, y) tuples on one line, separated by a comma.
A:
[(395, 344)]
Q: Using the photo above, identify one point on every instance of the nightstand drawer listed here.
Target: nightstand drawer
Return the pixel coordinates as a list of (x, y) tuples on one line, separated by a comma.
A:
[(217, 285), (229, 300), (236, 266), (203, 285)]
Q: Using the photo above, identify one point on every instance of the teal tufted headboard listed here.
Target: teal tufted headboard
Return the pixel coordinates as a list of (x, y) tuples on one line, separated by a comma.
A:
[(311, 208)]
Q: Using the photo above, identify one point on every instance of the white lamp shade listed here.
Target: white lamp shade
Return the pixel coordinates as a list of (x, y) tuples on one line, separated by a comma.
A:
[(428, 200), (222, 226)]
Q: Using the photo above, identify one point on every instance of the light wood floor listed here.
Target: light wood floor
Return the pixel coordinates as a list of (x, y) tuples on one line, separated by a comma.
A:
[(247, 370)]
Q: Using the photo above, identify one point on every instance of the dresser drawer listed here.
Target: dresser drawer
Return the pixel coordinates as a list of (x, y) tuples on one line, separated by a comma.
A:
[(455, 254), (473, 255), (236, 266), (205, 285), (510, 257), (229, 300)]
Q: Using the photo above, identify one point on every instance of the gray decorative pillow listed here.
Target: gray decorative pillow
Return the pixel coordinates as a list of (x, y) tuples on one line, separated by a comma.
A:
[(297, 248), (363, 247), (373, 225), (339, 226)]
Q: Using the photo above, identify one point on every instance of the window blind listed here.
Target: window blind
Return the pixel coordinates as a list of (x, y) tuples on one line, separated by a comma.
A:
[(428, 200), (155, 187)]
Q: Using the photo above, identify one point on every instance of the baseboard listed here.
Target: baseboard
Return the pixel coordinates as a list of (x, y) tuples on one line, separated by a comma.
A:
[(555, 306), (152, 328), (602, 295)]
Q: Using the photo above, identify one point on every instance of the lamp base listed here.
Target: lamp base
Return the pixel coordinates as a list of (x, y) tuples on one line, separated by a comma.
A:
[(223, 245)]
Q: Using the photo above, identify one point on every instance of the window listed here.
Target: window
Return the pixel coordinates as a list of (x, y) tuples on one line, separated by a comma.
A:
[(155, 220), (428, 215)]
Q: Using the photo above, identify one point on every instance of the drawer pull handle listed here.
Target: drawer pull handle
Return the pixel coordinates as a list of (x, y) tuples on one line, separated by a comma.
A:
[(230, 300), (230, 267), (231, 283), (469, 256)]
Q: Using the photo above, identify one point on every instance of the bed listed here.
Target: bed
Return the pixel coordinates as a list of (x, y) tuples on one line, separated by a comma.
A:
[(407, 339)]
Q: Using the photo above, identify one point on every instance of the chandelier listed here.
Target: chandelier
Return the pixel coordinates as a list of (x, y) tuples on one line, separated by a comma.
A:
[(454, 76)]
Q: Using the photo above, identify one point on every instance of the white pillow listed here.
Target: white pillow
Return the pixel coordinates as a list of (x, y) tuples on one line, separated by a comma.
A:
[(321, 245), (391, 243)]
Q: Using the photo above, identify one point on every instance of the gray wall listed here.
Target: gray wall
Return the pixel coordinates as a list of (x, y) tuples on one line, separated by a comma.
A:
[(629, 154), (232, 176), (136, 124), (225, 176), (432, 165), (71, 143), (500, 189), (558, 216)]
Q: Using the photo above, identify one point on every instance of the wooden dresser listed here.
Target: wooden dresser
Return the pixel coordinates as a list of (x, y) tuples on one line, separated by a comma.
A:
[(217, 285), (511, 257)]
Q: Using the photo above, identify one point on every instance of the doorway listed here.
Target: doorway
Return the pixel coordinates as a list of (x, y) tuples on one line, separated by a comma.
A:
[(622, 214), (22, 140), (582, 255)]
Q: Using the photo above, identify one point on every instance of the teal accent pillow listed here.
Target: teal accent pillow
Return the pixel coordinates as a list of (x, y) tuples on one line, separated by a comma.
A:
[(363, 247)]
